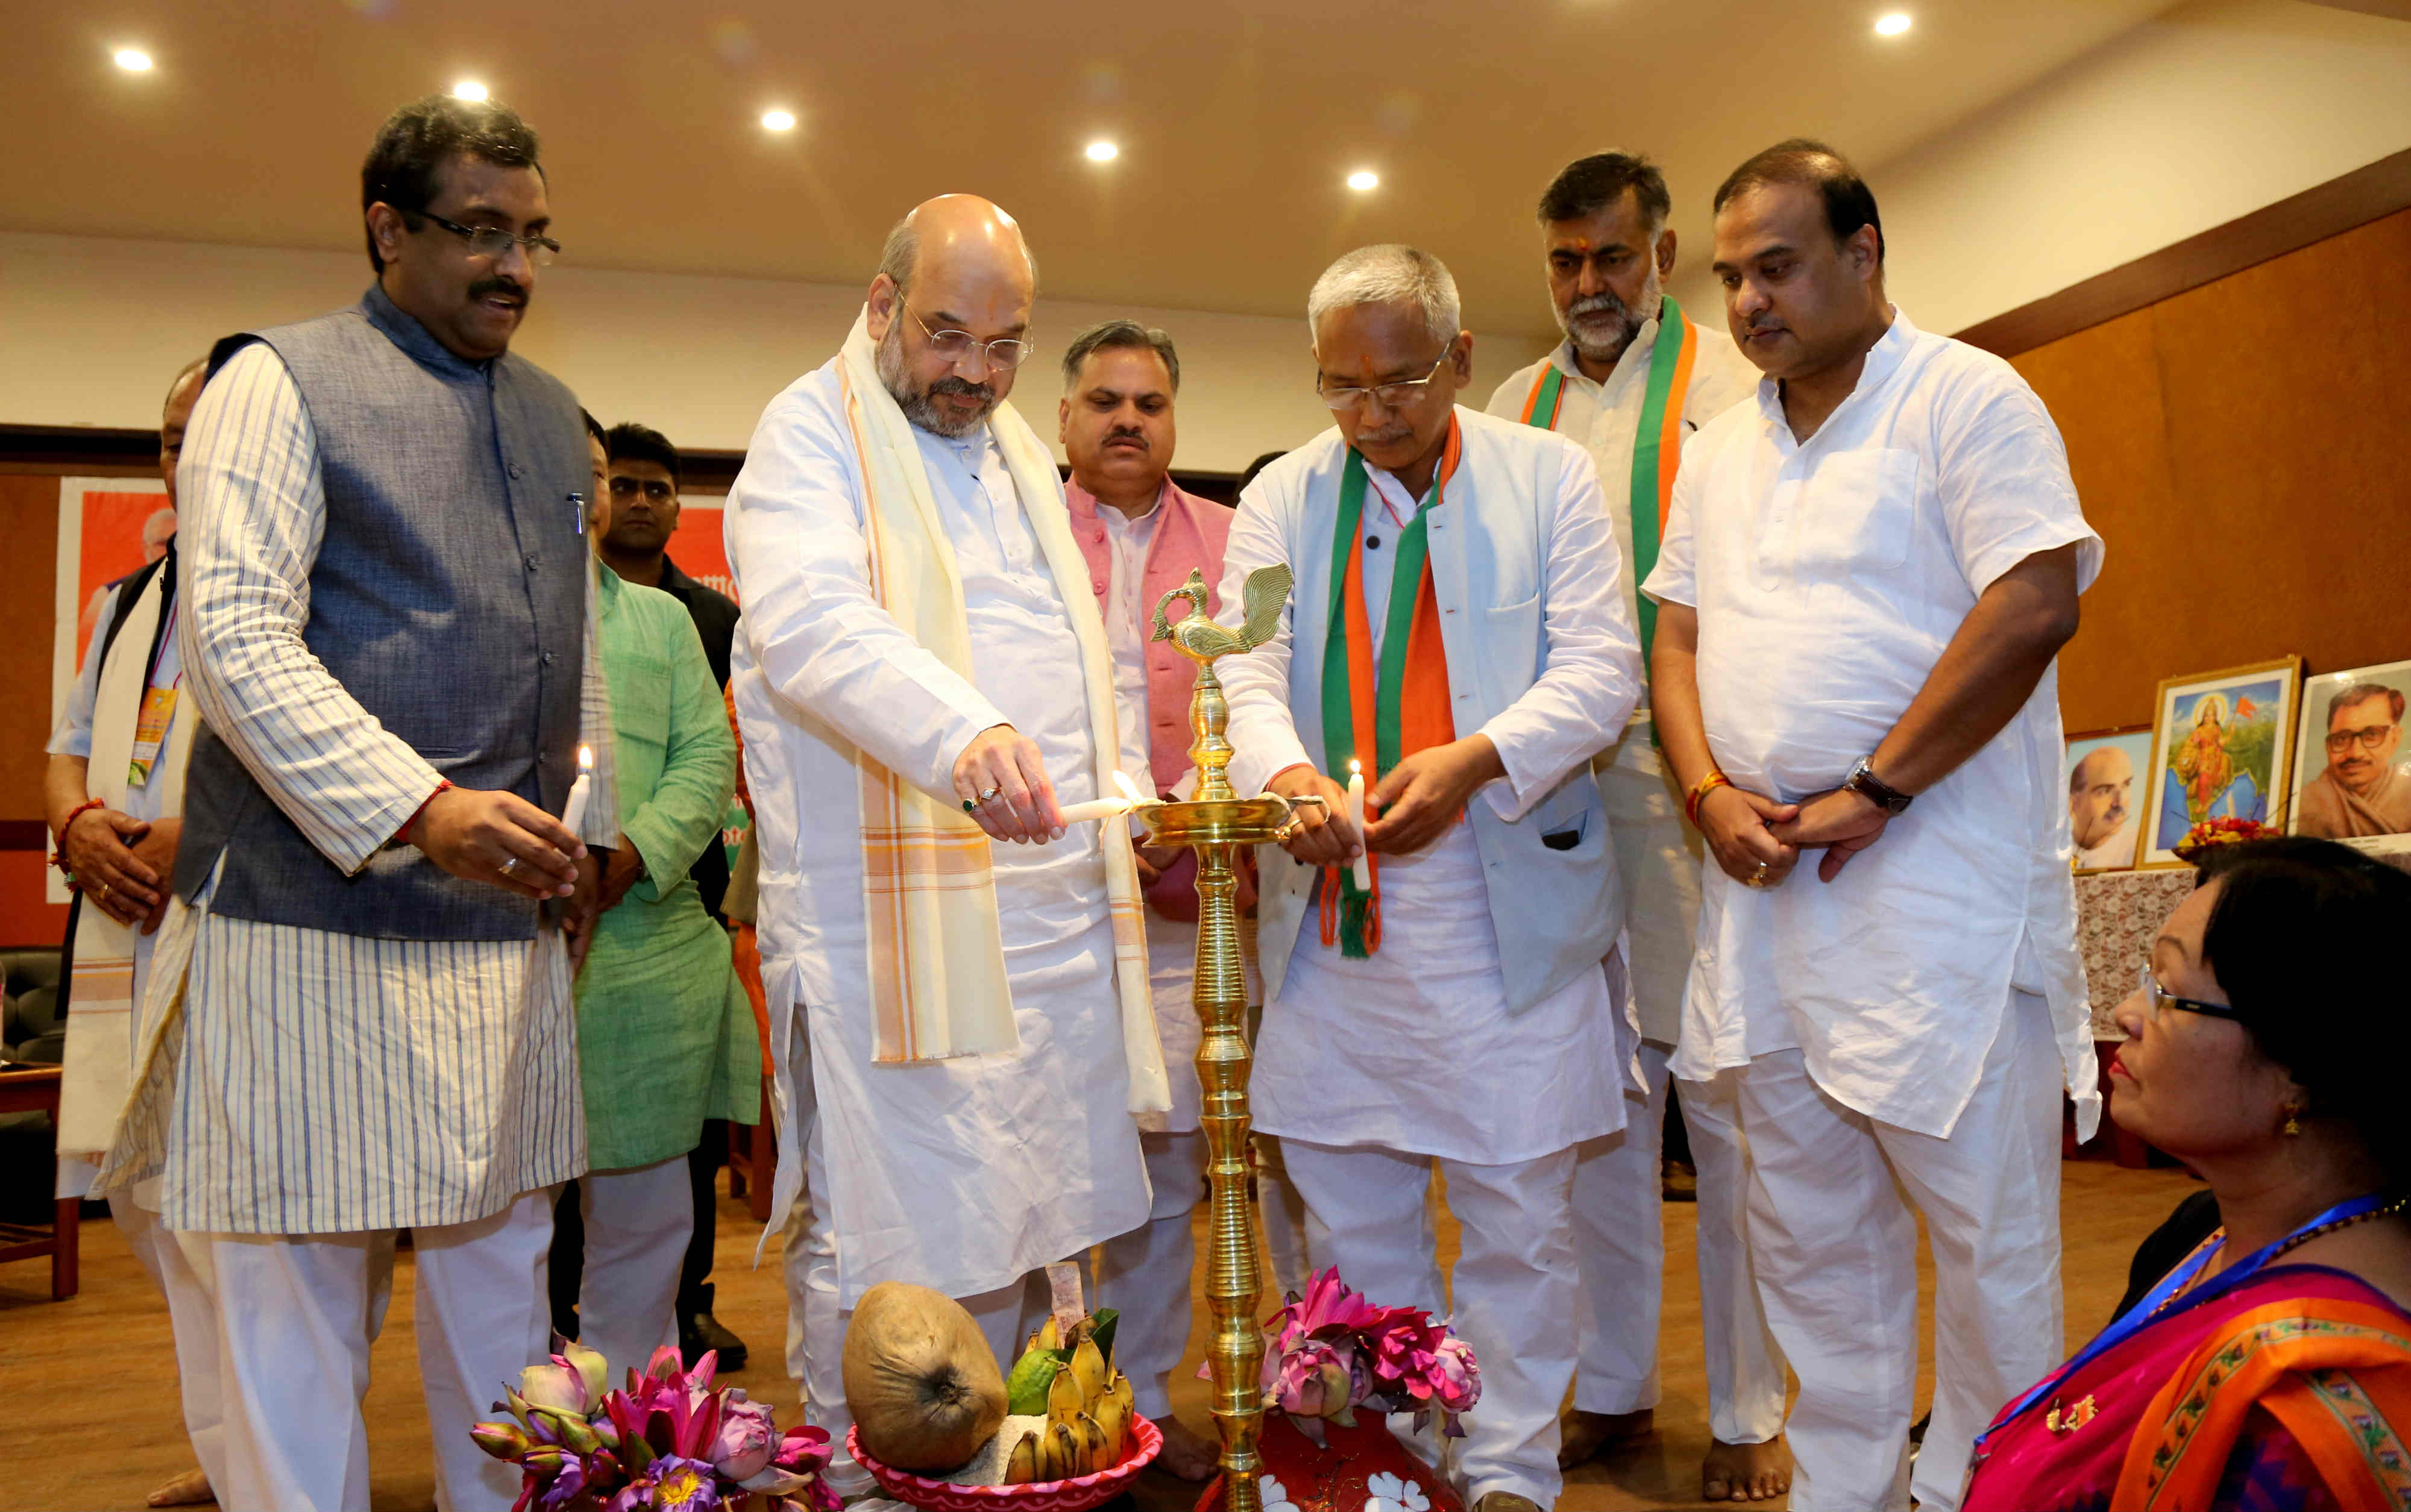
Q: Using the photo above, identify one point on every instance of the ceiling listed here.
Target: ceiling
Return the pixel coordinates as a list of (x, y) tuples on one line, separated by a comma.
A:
[(1237, 121)]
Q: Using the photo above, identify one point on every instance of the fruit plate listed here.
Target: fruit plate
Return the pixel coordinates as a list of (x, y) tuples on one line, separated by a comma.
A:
[(1077, 1495)]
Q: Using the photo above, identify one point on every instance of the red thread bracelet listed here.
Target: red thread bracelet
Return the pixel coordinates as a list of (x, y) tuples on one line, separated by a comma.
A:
[(443, 785), (58, 851)]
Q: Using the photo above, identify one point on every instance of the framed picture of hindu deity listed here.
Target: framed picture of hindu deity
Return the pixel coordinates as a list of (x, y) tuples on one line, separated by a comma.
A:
[(2352, 776), (2222, 748), (2106, 772)]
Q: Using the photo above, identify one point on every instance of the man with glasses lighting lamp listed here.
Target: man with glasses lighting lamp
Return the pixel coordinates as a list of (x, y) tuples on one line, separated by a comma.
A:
[(1457, 633), (956, 979)]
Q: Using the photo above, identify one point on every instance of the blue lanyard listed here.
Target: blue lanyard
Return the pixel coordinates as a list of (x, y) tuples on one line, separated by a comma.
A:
[(2136, 1318)]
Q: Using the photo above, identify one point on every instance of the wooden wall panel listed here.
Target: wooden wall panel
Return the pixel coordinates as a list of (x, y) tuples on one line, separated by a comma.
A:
[(2240, 448), (29, 522)]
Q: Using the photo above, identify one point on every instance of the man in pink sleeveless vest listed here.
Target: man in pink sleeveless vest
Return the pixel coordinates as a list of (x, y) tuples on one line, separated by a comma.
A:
[(1142, 535)]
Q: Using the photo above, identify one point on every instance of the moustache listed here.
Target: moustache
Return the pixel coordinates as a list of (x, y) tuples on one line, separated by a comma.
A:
[(1138, 437), (1597, 304), (484, 287), (963, 387)]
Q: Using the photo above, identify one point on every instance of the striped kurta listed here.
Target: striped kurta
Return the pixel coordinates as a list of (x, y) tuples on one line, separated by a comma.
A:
[(301, 1081)]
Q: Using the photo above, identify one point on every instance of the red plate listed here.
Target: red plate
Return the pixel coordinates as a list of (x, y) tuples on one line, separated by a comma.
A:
[(1077, 1495)]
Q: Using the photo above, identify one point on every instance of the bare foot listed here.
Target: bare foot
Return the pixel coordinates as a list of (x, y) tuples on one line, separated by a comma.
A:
[(185, 1491), (1746, 1472), (1185, 1454), (1582, 1435)]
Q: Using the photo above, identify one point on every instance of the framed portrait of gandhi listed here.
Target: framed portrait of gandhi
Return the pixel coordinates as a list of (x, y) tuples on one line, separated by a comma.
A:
[(2107, 776), (2352, 773), (2222, 747)]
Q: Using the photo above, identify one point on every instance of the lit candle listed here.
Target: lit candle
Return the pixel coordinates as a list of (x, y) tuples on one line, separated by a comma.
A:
[(1363, 869), (1081, 813), (574, 813)]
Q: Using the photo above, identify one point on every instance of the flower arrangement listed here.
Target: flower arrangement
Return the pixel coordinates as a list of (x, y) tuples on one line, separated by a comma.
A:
[(1332, 1352), (2216, 832), (667, 1440)]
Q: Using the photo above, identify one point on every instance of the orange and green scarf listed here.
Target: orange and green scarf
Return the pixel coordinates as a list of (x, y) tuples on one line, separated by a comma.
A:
[(1656, 450), (1380, 718)]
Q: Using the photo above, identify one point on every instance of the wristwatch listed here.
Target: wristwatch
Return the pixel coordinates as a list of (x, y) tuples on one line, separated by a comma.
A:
[(1864, 781)]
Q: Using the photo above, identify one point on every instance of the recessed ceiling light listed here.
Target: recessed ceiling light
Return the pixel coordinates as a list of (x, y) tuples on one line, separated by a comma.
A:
[(1103, 151), (133, 60), (1893, 24), (777, 120), (1363, 179), (468, 89)]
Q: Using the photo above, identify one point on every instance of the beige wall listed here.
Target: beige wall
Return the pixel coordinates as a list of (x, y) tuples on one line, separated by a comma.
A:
[(97, 326), (2207, 113)]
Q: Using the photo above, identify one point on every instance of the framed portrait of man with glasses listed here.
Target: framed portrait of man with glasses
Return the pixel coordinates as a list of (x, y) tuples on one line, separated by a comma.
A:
[(2353, 773)]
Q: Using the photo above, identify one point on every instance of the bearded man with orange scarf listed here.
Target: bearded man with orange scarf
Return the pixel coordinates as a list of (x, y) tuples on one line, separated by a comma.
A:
[(1456, 632)]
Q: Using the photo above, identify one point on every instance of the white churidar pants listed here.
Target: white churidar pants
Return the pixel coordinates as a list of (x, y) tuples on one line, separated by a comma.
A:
[(181, 1274), (638, 1223), (1147, 1275), (1620, 1239), (1006, 1317), (1514, 1285), (1835, 1246), (1282, 1215), (297, 1314)]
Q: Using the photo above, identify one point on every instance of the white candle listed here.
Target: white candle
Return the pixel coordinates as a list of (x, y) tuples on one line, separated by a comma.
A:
[(574, 813), (1081, 813), (1363, 869)]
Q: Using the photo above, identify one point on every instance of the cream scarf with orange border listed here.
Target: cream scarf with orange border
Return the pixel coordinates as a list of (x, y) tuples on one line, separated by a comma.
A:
[(938, 984)]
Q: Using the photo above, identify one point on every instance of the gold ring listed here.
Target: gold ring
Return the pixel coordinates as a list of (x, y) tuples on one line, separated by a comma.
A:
[(511, 863), (988, 795), (103, 893)]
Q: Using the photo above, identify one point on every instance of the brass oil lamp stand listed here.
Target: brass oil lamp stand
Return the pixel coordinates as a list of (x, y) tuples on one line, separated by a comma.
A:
[(1215, 824)]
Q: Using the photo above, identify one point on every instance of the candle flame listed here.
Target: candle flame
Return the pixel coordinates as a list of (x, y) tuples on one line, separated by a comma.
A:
[(1130, 788), (1355, 769), (586, 758)]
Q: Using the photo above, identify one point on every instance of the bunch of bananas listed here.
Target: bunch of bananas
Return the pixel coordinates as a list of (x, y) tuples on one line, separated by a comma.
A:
[(1086, 1403)]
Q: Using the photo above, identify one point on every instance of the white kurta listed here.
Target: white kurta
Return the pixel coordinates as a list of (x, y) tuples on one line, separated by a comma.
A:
[(1828, 576), (1655, 852), (1412, 1048), (961, 1174)]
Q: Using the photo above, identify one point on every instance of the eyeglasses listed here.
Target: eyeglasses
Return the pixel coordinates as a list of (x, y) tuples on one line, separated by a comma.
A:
[(2369, 737), (2159, 999), (493, 241), (655, 490), (1395, 395), (1003, 355)]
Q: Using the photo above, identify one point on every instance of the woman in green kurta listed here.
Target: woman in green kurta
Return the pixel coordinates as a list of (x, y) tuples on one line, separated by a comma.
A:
[(665, 1036)]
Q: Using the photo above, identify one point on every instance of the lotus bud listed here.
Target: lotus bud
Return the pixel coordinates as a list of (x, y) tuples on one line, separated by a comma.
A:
[(576, 1434), (503, 1441), (560, 1388), (590, 1365)]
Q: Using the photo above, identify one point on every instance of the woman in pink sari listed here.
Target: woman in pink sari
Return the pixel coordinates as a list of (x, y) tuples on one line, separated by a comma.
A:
[(2268, 1042)]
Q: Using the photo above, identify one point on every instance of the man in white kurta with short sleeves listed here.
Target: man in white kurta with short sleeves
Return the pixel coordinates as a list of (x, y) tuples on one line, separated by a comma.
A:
[(1867, 577), (1460, 1013), (1635, 376), (961, 1036)]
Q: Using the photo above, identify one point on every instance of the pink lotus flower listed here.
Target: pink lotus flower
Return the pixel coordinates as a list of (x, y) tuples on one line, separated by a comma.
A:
[(555, 1385), (747, 1440), (1328, 1309), (1457, 1379)]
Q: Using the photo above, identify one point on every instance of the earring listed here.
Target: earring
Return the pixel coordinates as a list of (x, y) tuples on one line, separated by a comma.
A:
[(2293, 1121)]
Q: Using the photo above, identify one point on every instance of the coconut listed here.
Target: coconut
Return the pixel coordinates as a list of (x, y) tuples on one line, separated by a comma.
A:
[(919, 1380)]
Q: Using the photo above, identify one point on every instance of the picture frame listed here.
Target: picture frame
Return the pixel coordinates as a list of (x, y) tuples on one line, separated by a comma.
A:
[(2222, 747), (2106, 809), (2359, 796)]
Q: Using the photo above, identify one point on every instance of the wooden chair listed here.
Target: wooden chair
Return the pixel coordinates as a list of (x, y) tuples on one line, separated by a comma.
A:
[(36, 1089)]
